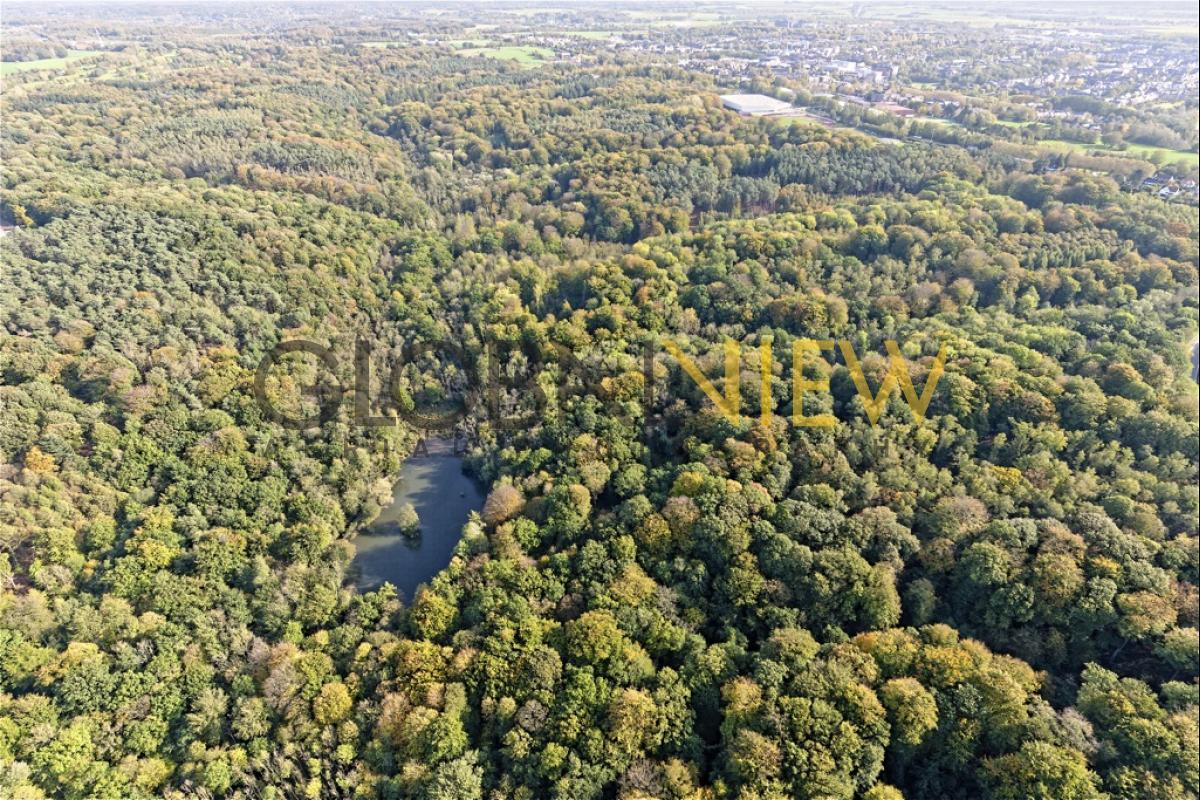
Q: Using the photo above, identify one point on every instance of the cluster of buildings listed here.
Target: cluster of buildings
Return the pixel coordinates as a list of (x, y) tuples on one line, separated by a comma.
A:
[(854, 55), (1128, 74), (980, 76), (1167, 186)]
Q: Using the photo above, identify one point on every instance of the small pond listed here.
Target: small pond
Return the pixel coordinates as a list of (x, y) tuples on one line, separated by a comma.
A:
[(443, 496)]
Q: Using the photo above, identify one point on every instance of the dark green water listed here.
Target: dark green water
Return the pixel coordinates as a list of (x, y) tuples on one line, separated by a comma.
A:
[(444, 497)]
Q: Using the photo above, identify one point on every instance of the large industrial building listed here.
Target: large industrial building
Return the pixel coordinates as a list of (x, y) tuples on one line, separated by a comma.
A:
[(753, 105)]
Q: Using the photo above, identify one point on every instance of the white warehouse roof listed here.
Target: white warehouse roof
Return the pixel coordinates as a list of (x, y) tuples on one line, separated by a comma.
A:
[(753, 104)]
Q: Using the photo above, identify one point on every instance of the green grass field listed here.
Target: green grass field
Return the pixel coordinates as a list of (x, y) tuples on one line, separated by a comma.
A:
[(949, 123), (667, 19), (9, 67), (525, 56), (1145, 151), (806, 121), (793, 121), (1132, 150)]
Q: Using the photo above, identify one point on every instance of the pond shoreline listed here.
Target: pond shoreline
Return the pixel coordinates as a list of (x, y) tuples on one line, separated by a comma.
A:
[(443, 495)]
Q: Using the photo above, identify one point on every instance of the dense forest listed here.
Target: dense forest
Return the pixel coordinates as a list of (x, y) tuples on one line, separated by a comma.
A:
[(997, 599)]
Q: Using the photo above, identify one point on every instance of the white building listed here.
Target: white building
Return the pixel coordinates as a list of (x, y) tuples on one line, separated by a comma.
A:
[(753, 105)]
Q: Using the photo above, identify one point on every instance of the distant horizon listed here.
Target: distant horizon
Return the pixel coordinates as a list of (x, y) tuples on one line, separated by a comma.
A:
[(682, 4)]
